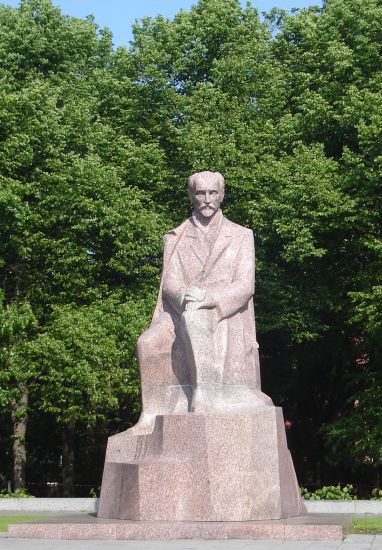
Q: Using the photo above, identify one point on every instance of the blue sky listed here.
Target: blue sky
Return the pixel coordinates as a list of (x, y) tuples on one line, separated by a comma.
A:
[(119, 15)]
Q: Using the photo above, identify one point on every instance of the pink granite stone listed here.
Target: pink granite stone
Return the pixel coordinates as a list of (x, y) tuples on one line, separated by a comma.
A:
[(199, 467), (257, 531), (171, 530), (35, 531), (84, 529), (209, 446), (90, 531), (313, 532)]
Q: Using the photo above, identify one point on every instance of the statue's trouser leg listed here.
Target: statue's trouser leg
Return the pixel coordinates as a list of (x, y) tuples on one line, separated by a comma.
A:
[(161, 392), (205, 342)]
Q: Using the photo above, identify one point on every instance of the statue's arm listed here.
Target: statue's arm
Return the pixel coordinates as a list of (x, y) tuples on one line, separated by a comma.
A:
[(233, 297), (173, 285)]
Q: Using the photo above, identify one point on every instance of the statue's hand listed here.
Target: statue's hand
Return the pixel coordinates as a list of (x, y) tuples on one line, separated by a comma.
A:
[(187, 295), (209, 302), (180, 296), (194, 294)]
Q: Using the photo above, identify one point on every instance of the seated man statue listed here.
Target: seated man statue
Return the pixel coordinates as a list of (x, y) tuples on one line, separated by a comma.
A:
[(200, 352), (209, 446)]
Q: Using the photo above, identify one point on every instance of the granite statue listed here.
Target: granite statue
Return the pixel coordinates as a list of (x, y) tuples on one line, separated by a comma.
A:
[(204, 322), (209, 445)]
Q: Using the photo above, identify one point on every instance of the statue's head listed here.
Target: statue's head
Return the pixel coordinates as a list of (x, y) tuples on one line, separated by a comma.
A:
[(206, 191)]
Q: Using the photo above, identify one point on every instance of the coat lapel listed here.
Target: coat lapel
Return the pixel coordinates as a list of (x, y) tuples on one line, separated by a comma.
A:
[(188, 246), (191, 242), (189, 256), (218, 248), (222, 241)]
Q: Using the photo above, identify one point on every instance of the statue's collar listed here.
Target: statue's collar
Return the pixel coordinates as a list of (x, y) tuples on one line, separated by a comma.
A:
[(189, 229), (195, 227)]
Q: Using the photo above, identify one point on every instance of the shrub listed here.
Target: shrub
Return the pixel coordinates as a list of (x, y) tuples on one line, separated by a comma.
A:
[(329, 492), (23, 493), (376, 494)]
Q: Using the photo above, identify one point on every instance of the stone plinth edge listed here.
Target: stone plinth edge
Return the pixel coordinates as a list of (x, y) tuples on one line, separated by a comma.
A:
[(142, 530)]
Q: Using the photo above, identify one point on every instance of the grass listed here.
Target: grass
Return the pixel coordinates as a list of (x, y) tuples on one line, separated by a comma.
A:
[(365, 526), (6, 520)]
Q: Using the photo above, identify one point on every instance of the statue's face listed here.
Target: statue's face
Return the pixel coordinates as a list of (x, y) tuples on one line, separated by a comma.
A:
[(206, 196)]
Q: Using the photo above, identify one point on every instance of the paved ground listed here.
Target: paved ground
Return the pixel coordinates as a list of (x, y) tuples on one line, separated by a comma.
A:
[(351, 542)]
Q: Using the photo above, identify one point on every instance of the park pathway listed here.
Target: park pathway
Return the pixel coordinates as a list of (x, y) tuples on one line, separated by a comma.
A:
[(351, 542)]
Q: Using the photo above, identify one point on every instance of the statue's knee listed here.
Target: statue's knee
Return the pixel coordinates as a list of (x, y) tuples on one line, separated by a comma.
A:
[(151, 343), (144, 343)]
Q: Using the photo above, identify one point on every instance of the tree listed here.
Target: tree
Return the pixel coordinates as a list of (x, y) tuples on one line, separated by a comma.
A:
[(82, 360), (95, 151), (333, 62), (17, 323), (73, 232)]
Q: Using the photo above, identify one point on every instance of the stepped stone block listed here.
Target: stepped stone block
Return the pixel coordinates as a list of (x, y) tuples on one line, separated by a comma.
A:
[(202, 467)]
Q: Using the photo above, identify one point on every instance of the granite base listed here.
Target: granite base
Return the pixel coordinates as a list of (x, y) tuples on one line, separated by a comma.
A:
[(202, 468), (315, 527)]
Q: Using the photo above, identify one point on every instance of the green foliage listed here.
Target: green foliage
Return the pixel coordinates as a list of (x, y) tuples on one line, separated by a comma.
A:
[(23, 493), (80, 242), (376, 494), (17, 324), (94, 492), (332, 71), (84, 361), (73, 233), (356, 434), (95, 148), (330, 492), (337, 492)]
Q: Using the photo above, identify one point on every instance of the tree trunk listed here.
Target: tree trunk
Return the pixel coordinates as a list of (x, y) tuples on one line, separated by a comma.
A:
[(68, 459), (20, 421)]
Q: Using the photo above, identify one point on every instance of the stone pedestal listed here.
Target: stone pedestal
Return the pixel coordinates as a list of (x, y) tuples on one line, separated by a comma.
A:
[(202, 467), (308, 528)]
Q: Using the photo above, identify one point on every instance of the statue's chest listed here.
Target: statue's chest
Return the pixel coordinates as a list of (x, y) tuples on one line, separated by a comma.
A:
[(200, 263)]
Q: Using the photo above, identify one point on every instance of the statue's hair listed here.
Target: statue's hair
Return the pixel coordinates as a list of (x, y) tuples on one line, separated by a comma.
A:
[(205, 174)]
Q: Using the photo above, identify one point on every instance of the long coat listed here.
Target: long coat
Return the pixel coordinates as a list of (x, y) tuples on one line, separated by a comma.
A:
[(228, 271)]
